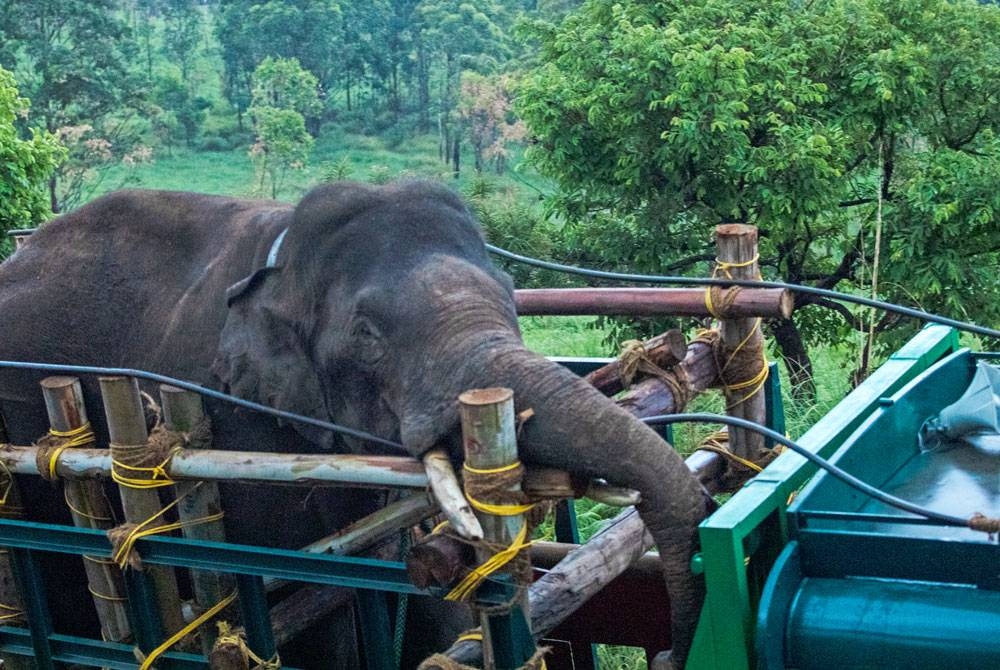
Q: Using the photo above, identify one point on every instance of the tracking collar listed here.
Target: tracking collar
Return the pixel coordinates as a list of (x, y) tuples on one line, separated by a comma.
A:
[(272, 255)]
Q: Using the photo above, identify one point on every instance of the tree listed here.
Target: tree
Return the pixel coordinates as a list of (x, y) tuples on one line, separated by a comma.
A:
[(249, 31), (819, 122), (25, 164), (71, 58), (485, 111), (282, 93), (182, 33)]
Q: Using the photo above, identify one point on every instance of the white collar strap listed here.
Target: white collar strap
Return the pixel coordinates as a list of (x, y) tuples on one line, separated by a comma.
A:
[(272, 255)]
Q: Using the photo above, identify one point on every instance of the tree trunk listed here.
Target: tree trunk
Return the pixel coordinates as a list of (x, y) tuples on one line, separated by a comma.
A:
[(456, 155), (423, 90), (796, 358)]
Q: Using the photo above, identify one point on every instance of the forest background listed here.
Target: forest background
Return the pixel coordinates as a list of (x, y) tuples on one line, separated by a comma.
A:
[(860, 136)]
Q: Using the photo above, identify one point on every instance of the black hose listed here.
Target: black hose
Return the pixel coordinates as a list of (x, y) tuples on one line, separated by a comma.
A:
[(842, 475), (201, 390), (748, 283)]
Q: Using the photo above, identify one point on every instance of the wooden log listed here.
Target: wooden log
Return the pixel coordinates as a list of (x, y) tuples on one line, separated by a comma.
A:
[(183, 412), (90, 509), (664, 351), (749, 302), (127, 426), (293, 615), (489, 440), (737, 245)]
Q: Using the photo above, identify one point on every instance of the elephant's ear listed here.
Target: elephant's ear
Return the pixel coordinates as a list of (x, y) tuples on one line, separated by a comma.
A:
[(262, 357)]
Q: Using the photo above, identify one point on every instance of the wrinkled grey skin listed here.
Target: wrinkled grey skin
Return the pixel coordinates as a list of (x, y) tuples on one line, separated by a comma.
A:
[(383, 307)]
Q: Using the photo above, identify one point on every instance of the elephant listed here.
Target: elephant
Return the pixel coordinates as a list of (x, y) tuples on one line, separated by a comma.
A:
[(369, 306)]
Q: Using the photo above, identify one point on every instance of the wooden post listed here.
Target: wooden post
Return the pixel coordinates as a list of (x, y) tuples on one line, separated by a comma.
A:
[(737, 246), (90, 509), (127, 426), (183, 412), (489, 438)]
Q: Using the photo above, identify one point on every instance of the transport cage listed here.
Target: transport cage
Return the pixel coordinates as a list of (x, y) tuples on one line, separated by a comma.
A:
[(863, 584)]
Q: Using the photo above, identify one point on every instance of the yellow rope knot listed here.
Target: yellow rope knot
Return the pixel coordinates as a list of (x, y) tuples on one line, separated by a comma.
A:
[(236, 639), (147, 466), (442, 662), (495, 484), (124, 537), (215, 609), (52, 445), (634, 359), (717, 442)]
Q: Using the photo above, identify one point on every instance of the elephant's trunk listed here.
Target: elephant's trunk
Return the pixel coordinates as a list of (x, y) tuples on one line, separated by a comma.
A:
[(577, 429)]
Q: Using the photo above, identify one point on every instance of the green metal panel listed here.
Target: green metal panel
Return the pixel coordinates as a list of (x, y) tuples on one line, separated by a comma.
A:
[(725, 636)]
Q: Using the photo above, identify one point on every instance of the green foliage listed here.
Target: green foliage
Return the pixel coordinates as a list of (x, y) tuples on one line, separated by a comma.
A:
[(25, 164), (671, 117), (282, 83), (187, 111), (71, 58)]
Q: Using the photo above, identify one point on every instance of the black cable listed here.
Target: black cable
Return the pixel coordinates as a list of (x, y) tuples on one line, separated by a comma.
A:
[(748, 283), (201, 390), (845, 477)]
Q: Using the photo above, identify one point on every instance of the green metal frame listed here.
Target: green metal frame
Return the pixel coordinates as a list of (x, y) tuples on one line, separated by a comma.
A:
[(250, 564), (742, 540)]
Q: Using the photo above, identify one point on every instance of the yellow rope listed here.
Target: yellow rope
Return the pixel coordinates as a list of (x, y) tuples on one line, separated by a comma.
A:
[(725, 266), (159, 477), (83, 514), (77, 437), (489, 508), (54, 460), (228, 636), (184, 632), (730, 455), (124, 549), (8, 484), (101, 596), (491, 471), (471, 636), (479, 574), (13, 612)]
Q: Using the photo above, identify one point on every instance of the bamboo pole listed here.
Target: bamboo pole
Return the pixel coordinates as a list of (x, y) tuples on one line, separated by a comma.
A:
[(489, 439), (89, 508), (183, 412), (127, 426), (749, 302), (737, 246)]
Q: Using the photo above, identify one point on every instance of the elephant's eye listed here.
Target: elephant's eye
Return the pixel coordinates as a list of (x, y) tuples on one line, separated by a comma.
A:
[(368, 340)]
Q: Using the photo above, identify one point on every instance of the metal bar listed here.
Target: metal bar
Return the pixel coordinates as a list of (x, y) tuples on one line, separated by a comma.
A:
[(772, 303), (365, 573), (256, 617), (95, 653), (218, 465), (376, 635), (33, 592)]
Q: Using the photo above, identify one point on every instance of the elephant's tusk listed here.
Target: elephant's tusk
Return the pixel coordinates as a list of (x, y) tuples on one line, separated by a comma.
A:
[(449, 494), (616, 496)]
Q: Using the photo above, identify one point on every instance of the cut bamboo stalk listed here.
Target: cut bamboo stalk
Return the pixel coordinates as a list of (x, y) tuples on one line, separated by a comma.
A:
[(127, 426), (750, 302), (90, 509), (489, 439), (737, 245), (183, 412)]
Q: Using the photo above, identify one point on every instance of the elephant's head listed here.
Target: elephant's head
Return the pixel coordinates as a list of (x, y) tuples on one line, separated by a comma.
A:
[(384, 306)]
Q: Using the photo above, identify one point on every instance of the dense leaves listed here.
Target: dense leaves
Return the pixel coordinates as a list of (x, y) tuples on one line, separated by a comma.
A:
[(25, 163), (797, 117)]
